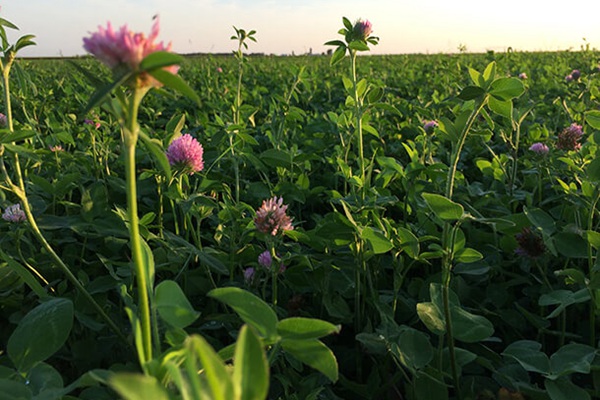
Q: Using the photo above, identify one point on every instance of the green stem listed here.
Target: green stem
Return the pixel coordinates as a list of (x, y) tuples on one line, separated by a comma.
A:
[(275, 265), (358, 114), (451, 349), (130, 136), (513, 175), (447, 244)]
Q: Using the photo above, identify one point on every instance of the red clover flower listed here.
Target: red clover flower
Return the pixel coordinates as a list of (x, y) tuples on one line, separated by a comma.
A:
[(522, 75), (96, 124), (3, 121), (13, 213), (539, 148), (186, 152), (530, 244), (575, 74), (429, 126), (249, 274), (569, 138), (265, 260), (271, 217), (362, 29), (125, 48)]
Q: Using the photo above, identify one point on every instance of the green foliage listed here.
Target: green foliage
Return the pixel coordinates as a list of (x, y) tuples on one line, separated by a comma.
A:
[(352, 305), (297, 336), (41, 333)]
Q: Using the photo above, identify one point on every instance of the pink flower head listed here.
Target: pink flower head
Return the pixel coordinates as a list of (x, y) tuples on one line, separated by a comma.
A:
[(539, 148), (271, 217), (569, 138), (569, 78), (3, 121), (429, 126), (219, 70), (522, 75), (530, 244), (249, 274), (126, 48), (14, 213), (56, 148), (575, 74), (362, 29), (92, 122), (186, 152), (265, 259)]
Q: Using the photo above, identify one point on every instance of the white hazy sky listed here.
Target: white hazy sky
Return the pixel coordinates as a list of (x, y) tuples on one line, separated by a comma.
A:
[(286, 26)]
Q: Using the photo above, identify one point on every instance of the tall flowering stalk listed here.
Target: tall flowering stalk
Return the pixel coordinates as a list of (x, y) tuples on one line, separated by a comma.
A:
[(357, 38), (272, 220), (138, 63), (186, 156), (241, 36)]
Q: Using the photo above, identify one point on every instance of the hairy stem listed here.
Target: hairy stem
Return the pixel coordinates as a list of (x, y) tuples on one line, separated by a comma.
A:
[(130, 136)]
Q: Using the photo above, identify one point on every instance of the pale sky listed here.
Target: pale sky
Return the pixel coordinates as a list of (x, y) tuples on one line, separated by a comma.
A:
[(286, 26)]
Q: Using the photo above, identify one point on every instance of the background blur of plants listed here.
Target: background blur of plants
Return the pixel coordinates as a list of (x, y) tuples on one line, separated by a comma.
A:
[(376, 236)]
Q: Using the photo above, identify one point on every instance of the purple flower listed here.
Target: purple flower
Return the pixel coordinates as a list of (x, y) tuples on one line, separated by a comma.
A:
[(362, 29), (569, 138), (429, 126), (14, 213), (92, 122), (271, 217), (3, 121), (265, 259), (539, 148), (575, 74), (569, 78), (530, 244), (249, 274), (186, 153), (522, 75)]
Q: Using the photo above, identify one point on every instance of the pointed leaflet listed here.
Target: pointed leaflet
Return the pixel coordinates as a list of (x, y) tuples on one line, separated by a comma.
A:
[(251, 309), (442, 207), (217, 379), (174, 82), (305, 328), (173, 306), (155, 148), (507, 88), (315, 354), (160, 59), (251, 369), (138, 387), (41, 333)]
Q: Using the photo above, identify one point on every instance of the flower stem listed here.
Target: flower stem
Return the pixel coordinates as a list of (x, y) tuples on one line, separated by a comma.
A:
[(130, 136), (275, 265), (358, 115), (448, 244)]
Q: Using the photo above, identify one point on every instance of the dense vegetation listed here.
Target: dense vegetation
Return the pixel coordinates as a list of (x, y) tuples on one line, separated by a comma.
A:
[(387, 239)]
